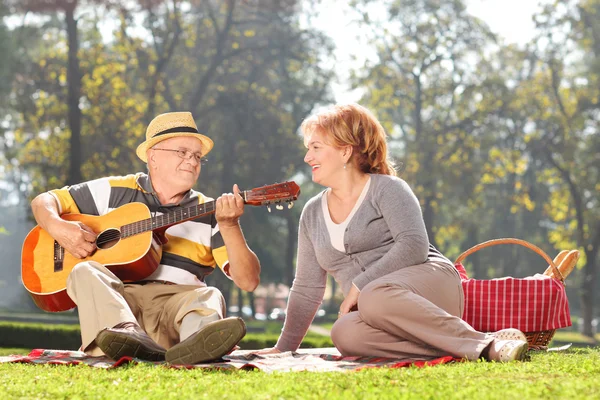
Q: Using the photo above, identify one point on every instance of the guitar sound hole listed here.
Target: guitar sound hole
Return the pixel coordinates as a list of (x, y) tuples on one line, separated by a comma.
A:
[(108, 238)]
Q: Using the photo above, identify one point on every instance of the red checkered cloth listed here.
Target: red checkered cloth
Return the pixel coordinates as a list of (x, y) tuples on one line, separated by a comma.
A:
[(321, 360), (532, 304)]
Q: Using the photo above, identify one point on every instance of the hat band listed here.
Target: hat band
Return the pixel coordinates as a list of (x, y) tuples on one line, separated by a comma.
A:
[(177, 129)]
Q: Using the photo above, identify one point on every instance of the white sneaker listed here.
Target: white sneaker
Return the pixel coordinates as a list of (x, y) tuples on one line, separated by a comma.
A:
[(510, 334), (508, 350)]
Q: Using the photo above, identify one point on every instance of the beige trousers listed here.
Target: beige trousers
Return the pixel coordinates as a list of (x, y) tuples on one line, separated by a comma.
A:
[(413, 313), (168, 313)]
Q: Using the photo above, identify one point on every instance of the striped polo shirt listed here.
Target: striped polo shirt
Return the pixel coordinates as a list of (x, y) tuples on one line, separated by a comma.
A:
[(194, 248)]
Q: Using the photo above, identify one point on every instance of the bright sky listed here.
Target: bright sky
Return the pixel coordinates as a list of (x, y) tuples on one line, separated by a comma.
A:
[(510, 19)]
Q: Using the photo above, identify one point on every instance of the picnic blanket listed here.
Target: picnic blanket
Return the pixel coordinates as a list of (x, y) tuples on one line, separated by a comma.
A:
[(327, 359)]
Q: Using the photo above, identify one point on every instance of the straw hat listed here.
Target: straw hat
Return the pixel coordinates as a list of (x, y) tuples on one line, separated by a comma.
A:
[(169, 125)]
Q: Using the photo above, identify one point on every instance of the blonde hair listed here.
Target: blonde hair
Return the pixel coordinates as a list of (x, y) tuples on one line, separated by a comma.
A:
[(356, 126)]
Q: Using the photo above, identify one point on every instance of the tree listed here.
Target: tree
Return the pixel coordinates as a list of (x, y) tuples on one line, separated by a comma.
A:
[(423, 86), (566, 137), (247, 71), (454, 100), (67, 7)]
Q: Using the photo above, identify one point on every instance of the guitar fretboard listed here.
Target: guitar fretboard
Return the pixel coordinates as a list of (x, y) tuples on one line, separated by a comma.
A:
[(168, 219)]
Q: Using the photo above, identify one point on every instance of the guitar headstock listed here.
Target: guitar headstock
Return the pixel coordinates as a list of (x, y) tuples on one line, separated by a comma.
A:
[(273, 194)]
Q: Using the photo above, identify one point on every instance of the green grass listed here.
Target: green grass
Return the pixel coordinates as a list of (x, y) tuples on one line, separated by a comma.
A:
[(271, 327), (574, 373), (327, 325), (563, 336), (569, 374), (274, 328), (12, 350)]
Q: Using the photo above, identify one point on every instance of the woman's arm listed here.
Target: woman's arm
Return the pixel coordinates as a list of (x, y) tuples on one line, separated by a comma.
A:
[(306, 294)]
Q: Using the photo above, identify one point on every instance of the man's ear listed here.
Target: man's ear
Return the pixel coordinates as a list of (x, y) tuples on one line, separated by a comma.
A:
[(150, 158)]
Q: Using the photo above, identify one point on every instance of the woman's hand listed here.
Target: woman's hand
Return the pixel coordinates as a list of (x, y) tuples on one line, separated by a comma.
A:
[(350, 303)]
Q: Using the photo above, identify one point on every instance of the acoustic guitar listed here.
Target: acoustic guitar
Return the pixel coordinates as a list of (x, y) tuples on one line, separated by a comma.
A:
[(127, 243)]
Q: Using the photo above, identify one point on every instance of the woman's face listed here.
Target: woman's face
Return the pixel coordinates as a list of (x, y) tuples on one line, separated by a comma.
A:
[(326, 161)]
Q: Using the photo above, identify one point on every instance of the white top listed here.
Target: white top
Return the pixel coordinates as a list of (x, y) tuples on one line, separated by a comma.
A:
[(336, 231), (175, 275)]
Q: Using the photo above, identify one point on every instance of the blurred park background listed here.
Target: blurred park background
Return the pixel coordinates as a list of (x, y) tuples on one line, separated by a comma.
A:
[(497, 137)]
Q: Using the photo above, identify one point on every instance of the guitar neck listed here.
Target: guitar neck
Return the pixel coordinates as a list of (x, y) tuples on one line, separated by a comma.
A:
[(166, 220)]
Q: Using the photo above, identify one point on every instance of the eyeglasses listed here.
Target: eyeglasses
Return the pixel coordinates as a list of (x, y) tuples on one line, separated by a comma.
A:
[(187, 155)]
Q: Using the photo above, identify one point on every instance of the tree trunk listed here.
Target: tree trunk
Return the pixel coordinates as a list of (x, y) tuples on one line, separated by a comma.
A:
[(510, 260), (74, 93), (252, 304), (240, 301), (426, 162), (217, 59), (290, 248), (429, 216), (332, 305), (218, 280), (471, 240), (587, 291)]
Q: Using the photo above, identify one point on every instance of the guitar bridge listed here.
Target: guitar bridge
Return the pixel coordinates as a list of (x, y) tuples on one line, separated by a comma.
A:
[(59, 256)]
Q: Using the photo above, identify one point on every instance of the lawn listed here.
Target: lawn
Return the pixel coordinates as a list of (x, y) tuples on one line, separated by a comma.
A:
[(574, 373)]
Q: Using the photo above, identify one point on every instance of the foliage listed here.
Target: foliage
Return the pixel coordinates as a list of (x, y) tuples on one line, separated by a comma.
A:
[(32, 335), (425, 86), (246, 70), (498, 140), (565, 115)]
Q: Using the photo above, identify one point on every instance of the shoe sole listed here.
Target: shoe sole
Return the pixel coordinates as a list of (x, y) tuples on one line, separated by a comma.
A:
[(521, 352), (208, 344), (518, 353), (117, 345)]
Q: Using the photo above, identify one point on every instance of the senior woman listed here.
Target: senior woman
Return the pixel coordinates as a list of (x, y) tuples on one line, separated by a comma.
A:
[(403, 298)]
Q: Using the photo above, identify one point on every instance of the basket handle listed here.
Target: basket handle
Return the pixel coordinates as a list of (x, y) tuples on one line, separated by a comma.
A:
[(524, 243)]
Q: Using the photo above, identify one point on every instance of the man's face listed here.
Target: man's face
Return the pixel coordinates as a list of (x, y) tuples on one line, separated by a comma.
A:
[(169, 168)]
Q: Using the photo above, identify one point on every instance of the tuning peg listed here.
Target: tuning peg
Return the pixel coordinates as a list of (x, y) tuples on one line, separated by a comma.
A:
[(279, 207), (290, 204), (269, 208)]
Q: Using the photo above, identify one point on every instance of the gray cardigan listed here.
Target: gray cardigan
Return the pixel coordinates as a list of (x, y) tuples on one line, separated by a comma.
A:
[(386, 233)]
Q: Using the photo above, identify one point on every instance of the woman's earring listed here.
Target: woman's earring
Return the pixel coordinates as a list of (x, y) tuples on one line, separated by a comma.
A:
[(345, 165)]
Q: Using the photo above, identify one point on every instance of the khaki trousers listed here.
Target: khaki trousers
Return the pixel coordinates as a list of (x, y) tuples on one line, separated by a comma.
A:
[(104, 301), (413, 313)]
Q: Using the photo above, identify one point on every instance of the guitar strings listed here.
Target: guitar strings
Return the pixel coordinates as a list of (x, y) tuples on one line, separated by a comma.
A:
[(132, 229)]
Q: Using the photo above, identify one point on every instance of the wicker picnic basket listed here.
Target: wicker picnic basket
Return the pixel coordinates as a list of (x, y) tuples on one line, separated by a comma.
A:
[(536, 339)]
